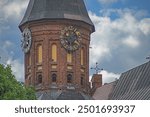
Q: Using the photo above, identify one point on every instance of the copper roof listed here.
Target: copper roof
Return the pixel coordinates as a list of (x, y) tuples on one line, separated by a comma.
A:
[(57, 9)]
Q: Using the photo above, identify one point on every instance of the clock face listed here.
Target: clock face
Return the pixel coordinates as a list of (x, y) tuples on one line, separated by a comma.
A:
[(70, 38), (27, 40)]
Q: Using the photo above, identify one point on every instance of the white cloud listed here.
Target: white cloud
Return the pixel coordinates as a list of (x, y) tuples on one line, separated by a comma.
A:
[(109, 76), (96, 19), (131, 42), (3, 27), (11, 12), (99, 45), (7, 44), (17, 69), (98, 52), (3, 2), (143, 25), (12, 9), (6, 53), (122, 34)]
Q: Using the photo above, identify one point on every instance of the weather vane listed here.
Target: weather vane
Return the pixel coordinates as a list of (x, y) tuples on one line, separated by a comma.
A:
[(96, 68)]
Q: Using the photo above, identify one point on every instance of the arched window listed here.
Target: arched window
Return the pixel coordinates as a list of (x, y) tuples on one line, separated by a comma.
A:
[(39, 80), (39, 49), (82, 56), (69, 78), (54, 52), (82, 81), (54, 77), (69, 57)]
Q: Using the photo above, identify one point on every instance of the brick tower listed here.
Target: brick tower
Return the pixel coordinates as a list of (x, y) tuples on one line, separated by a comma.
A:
[(56, 38)]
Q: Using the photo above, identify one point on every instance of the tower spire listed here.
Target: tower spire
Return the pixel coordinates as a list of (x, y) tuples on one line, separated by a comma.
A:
[(57, 9)]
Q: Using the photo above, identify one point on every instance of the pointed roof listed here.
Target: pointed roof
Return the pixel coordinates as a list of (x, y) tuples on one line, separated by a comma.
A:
[(57, 9)]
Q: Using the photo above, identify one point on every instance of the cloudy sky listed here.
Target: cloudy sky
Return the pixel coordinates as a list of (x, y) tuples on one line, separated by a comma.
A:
[(121, 40)]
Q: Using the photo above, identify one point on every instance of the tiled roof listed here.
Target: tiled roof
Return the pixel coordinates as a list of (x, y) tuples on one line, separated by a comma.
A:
[(104, 92), (134, 84), (56, 9)]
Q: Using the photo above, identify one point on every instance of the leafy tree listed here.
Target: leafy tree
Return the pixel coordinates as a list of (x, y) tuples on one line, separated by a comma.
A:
[(11, 89)]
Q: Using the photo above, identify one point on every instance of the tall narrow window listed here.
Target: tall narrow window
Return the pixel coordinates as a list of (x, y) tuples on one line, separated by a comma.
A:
[(54, 77), (54, 53), (69, 57), (39, 54), (69, 78), (82, 81), (39, 80), (82, 56)]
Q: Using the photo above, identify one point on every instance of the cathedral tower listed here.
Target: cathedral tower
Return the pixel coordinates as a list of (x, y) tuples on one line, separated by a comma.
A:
[(56, 39)]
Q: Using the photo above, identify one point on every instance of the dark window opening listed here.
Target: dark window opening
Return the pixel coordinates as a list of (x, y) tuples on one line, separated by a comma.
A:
[(69, 78), (39, 79), (54, 77), (82, 80)]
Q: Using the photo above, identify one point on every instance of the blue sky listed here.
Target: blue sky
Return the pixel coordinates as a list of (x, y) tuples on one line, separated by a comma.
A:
[(121, 40)]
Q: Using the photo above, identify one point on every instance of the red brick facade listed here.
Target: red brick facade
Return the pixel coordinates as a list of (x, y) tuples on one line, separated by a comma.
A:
[(46, 33), (96, 81)]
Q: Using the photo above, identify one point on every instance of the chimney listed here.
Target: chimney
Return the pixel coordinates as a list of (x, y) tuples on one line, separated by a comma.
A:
[(96, 81)]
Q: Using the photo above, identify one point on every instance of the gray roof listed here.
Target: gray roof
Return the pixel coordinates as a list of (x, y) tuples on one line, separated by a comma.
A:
[(70, 95), (134, 84), (55, 94), (56, 9)]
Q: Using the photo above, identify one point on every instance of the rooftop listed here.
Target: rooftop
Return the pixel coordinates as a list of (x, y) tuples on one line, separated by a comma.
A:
[(134, 84), (57, 10), (104, 92), (55, 94)]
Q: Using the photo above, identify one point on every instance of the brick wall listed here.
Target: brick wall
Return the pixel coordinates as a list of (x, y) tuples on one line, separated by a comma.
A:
[(47, 33)]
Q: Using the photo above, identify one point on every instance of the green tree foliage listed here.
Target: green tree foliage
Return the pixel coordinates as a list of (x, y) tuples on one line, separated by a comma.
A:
[(11, 89)]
